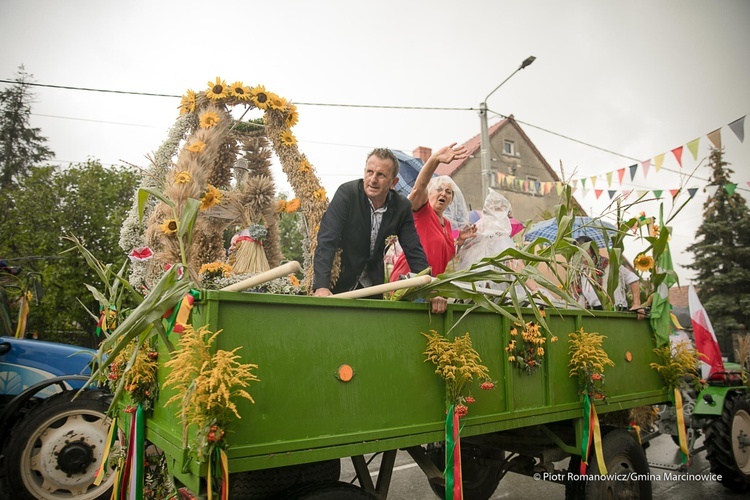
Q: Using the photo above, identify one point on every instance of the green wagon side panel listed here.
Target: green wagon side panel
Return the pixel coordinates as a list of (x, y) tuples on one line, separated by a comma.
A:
[(304, 413)]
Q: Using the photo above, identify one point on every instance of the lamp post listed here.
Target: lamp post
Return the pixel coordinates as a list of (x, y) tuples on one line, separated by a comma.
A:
[(485, 136)]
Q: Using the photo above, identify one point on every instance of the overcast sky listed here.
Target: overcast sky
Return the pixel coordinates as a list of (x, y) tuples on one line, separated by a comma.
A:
[(636, 79)]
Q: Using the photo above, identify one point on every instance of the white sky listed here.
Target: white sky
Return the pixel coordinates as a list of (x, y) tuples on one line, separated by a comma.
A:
[(637, 78)]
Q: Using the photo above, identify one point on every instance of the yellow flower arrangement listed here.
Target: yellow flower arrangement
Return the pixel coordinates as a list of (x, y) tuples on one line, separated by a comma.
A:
[(457, 363), (319, 194), (276, 102), (196, 147), (211, 197), (287, 138), (207, 385), (259, 96), (527, 352), (169, 226), (587, 362), (292, 116), (679, 366), (217, 90), (135, 370), (215, 270), (183, 177), (240, 91), (187, 104), (643, 262), (304, 166), (209, 119), (292, 206), (280, 206)]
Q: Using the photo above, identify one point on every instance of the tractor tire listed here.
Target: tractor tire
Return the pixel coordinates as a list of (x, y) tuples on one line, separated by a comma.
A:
[(480, 478), (623, 455), (266, 484), (727, 442), (56, 450), (329, 490)]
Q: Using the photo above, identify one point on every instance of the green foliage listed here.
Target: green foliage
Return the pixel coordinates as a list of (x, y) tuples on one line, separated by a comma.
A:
[(86, 200), (722, 254), (21, 146)]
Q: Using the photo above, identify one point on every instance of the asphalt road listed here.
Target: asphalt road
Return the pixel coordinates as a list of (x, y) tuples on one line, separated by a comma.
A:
[(409, 483)]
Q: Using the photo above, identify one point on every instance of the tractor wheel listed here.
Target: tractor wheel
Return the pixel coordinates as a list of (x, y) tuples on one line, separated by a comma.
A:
[(57, 449), (329, 490), (728, 442), (480, 477), (624, 456)]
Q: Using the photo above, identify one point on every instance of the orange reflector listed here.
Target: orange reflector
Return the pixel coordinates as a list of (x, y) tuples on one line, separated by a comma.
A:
[(628, 356), (345, 373)]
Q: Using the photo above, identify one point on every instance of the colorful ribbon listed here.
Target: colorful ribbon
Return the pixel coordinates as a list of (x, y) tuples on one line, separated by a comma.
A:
[(218, 460), (591, 433), (183, 311), (105, 457), (453, 481), (131, 480), (681, 432)]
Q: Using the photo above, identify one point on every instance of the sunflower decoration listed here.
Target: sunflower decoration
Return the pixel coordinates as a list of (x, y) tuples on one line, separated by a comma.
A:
[(169, 227), (187, 104), (288, 139), (240, 91), (211, 197), (292, 116), (209, 119), (196, 146), (643, 262), (217, 90), (259, 96), (183, 177)]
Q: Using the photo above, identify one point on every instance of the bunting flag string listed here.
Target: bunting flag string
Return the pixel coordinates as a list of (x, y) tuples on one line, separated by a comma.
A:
[(677, 152), (693, 147), (738, 127)]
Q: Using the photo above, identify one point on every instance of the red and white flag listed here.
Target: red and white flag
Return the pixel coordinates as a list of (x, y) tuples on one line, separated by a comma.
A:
[(705, 338)]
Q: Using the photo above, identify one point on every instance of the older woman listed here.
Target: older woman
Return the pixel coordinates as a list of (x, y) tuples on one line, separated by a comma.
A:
[(434, 201)]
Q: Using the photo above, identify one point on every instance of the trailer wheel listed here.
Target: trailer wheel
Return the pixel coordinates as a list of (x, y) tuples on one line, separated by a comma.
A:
[(56, 450), (269, 483), (329, 490), (623, 456), (480, 477), (728, 442)]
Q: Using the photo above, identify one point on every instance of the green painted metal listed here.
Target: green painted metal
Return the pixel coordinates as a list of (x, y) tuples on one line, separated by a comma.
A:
[(303, 412), (718, 395)]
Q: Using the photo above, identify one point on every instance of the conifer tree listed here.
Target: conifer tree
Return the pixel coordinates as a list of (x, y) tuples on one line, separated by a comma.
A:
[(21, 146), (722, 255)]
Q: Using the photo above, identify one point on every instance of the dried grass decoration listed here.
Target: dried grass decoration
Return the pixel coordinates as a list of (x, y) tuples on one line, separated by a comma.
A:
[(248, 256)]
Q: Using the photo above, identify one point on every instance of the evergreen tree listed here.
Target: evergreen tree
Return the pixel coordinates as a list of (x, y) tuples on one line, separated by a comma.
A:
[(21, 146), (722, 255)]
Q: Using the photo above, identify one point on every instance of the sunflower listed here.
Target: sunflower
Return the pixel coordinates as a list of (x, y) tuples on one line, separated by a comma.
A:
[(280, 206), (187, 105), (304, 166), (259, 96), (276, 102), (293, 117), (211, 197), (320, 194), (292, 206), (240, 91), (217, 90), (209, 119), (196, 147), (643, 262), (288, 139), (169, 226), (183, 177)]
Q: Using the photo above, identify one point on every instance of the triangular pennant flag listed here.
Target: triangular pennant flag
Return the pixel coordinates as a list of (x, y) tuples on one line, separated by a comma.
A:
[(644, 166), (500, 177), (693, 147), (625, 194), (640, 193), (575, 183), (598, 193), (677, 152), (738, 127), (715, 138), (657, 193), (559, 188), (674, 192), (593, 181), (711, 190), (609, 179), (633, 168), (692, 191), (583, 184), (620, 174), (658, 161), (612, 193), (729, 188)]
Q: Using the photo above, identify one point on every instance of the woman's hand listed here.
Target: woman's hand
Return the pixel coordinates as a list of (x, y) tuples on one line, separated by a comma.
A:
[(466, 234), (450, 153)]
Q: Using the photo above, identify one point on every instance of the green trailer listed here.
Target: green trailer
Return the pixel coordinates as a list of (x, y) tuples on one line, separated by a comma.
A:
[(306, 416)]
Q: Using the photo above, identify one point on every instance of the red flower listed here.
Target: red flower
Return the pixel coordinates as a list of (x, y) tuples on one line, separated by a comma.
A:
[(470, 400), (461, 410), (487, 386), (596, 376)]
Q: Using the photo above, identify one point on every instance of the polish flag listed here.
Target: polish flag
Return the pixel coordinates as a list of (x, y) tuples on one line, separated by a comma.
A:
[(705, 338)]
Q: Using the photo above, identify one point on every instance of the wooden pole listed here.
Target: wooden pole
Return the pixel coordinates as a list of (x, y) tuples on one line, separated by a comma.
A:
[(277, 272), (385, 287)]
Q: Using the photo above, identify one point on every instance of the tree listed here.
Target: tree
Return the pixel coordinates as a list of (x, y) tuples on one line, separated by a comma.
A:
[(22, 146), (722, 255), (85, 200)]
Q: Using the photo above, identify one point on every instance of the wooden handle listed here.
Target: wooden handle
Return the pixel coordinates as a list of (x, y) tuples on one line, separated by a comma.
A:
[(277, 272), (385, 287)]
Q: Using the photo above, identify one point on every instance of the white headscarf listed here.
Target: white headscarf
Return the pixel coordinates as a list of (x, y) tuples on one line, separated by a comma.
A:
[(456, 212), (493, 232)]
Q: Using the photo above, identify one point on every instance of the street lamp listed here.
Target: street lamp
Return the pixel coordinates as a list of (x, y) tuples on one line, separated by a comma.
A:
[(485, 137)]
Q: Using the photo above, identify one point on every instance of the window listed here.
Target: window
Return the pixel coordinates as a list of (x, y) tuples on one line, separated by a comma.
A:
[(509, 147)]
